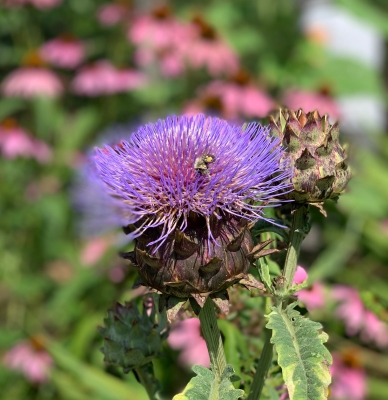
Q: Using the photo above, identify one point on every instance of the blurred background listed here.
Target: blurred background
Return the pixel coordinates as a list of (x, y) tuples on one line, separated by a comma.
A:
[(77, 74)]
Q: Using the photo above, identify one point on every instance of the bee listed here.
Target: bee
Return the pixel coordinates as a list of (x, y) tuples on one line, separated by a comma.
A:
[(201, 163)]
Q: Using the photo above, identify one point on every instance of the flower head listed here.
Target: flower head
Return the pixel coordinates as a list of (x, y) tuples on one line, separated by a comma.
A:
[(187, 188), (155, 178), (235, 99), (30, 358), (16, 142), (102, 78), (110, 14), (64, 52), (41, 4), (30, 82), (207, 49), (357, 318), (349, 377)]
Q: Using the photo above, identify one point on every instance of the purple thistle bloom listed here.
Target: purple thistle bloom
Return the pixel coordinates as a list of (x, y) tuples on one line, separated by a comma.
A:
[(155, 181)]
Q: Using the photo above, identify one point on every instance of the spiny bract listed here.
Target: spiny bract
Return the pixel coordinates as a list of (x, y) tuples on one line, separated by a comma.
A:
[(312, 146)]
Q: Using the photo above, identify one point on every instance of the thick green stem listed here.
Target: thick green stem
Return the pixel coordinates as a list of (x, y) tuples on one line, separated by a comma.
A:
[(297, 234), (147, 381), (262, 368), (212, 336)]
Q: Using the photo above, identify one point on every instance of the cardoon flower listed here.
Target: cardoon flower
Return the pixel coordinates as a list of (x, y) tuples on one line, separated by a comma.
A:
[(188, 189)]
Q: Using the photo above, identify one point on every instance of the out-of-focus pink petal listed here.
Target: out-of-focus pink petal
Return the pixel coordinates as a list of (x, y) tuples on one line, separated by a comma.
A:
[(94, 250), (314, 297), (16, 142), (349, 382), (102, 78), (34, 363), (63, 52), (186, 336), (374, 330), (110, 14), (300, 275), (31, 82), (351, 309), (311, 101)]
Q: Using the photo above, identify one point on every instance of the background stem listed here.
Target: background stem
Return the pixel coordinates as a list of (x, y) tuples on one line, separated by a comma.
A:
[(212, 336), (147, 381), (262, 367)]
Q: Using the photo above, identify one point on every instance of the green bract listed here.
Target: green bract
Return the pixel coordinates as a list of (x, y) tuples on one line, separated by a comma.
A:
[(131, 339), (312, 145)]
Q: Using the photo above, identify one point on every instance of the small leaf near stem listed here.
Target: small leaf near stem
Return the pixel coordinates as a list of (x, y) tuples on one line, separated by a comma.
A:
[(212, 336), (299, 228)]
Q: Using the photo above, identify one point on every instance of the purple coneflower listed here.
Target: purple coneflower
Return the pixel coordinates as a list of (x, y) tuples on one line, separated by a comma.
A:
[(64, 51), (31, 359), (187, 188)]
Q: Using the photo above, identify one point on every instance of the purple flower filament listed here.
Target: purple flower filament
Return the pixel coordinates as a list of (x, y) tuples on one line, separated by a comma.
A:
[(153, 177)]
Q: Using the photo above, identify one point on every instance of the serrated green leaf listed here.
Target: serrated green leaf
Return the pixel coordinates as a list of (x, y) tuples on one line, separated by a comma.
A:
[(205, 386), (301, 354)]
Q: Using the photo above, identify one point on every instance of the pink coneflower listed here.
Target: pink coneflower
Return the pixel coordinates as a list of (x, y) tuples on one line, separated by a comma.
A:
[(16, 142), (300, 275), (32, 80), (102, 78), (110, 14), (42, 4), (311, 101), (161, 39), (208, 50), (94, 249), (374, 330), (186, 336), (159, 30), (31, 359), (236, 98), (170, 62), (349, 378), (64, 52), (351, 309), (357, 318), (314, 296)]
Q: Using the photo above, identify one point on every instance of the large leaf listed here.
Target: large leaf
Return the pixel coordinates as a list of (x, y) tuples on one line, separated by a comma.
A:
[(301, 354), (205, 386)]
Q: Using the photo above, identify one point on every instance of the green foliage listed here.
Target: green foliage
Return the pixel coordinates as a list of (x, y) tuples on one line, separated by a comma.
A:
[(301, 354), (205, 386)]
